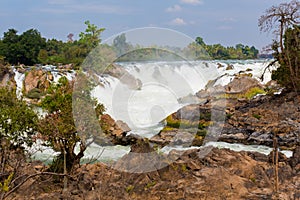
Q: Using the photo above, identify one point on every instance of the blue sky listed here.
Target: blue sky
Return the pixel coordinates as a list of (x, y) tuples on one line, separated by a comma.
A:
[(218, 21)]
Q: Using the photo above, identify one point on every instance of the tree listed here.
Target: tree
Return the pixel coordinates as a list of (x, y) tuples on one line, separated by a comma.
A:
[(279, 18), (91, 36), (288, 74), (31, 43), (11, 47), (59, 128), (284, 20), (120, 45), (23, 48)]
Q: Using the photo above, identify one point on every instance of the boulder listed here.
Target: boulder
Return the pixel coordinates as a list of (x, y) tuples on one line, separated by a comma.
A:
[(114, 131), (36, 79), (229, 67), (241, 85)]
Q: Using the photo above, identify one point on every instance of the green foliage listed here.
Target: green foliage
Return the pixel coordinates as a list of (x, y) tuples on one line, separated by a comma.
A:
[(91, 36), (59, 126), (150, 184), (35, 93), (200, 50), (129, 188), (257, 116), (22, 48), (288, 73), (17, 120), (253, 92)]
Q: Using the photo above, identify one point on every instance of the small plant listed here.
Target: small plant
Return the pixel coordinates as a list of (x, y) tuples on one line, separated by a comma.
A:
[(184, 167), (257, 116), (150, 184), (129, 188), (253, 92)]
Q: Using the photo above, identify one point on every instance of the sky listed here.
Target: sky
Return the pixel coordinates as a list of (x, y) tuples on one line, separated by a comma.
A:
[(227, 22)]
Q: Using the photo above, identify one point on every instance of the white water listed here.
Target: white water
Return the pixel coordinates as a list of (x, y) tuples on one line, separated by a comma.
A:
[(19, 78), (163, 83)]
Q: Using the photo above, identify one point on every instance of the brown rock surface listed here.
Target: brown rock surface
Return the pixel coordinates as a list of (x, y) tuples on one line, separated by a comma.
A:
[(36, 79), (221, 174)]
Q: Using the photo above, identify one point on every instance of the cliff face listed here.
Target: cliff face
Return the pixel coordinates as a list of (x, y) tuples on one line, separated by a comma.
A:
[(7, 77)]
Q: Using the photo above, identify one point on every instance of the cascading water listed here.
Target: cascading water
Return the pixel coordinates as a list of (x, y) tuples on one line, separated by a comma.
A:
[(163, 83), (19, 78)]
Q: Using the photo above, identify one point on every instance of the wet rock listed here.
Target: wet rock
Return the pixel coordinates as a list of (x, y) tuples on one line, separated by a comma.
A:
[(229, 67)]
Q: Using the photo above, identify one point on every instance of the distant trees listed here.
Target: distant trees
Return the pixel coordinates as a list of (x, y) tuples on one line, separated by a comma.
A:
[(200, 50), (31, 48), (284, 21)]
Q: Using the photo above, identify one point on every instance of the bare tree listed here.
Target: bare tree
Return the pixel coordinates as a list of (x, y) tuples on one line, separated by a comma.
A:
[(282, 19), (279, 18)]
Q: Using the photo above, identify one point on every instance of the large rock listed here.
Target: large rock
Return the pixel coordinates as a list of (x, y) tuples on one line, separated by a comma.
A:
[(7, 77), (126, 78), (240, 85), (115, 131), (36, 79)]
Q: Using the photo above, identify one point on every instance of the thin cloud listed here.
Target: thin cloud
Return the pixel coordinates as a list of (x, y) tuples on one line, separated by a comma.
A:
[(224, 28), (59, 2), (67, 8), (175, 8), (178, 22), (228, 19), (192, 2)]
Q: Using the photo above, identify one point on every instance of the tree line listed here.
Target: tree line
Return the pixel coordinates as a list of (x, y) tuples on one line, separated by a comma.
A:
[(30, 48)]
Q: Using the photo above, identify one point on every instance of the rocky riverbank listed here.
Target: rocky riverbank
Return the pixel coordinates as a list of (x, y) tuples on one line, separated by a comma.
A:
[(221, 174), (246, 120)]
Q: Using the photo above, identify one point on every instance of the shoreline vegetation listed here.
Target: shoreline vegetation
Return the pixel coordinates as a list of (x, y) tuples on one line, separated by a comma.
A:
[(271, 119)]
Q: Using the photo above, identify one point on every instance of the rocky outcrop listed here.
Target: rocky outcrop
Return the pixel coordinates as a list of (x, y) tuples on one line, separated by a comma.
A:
[(242, 84), (126, 78), (115, 131), (257, 122), (7, 77), (254, 122), (188, 126), (37, 80)]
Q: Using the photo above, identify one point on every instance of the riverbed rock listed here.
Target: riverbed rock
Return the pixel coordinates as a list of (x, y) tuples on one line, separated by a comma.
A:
[(242, 84)]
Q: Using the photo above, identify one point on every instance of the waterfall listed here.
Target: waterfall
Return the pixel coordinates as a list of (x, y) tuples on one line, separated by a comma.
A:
[(163, 83), (19, 78)]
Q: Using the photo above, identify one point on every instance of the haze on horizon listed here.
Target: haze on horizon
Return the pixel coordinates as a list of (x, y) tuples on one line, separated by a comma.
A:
[(226, 22)]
